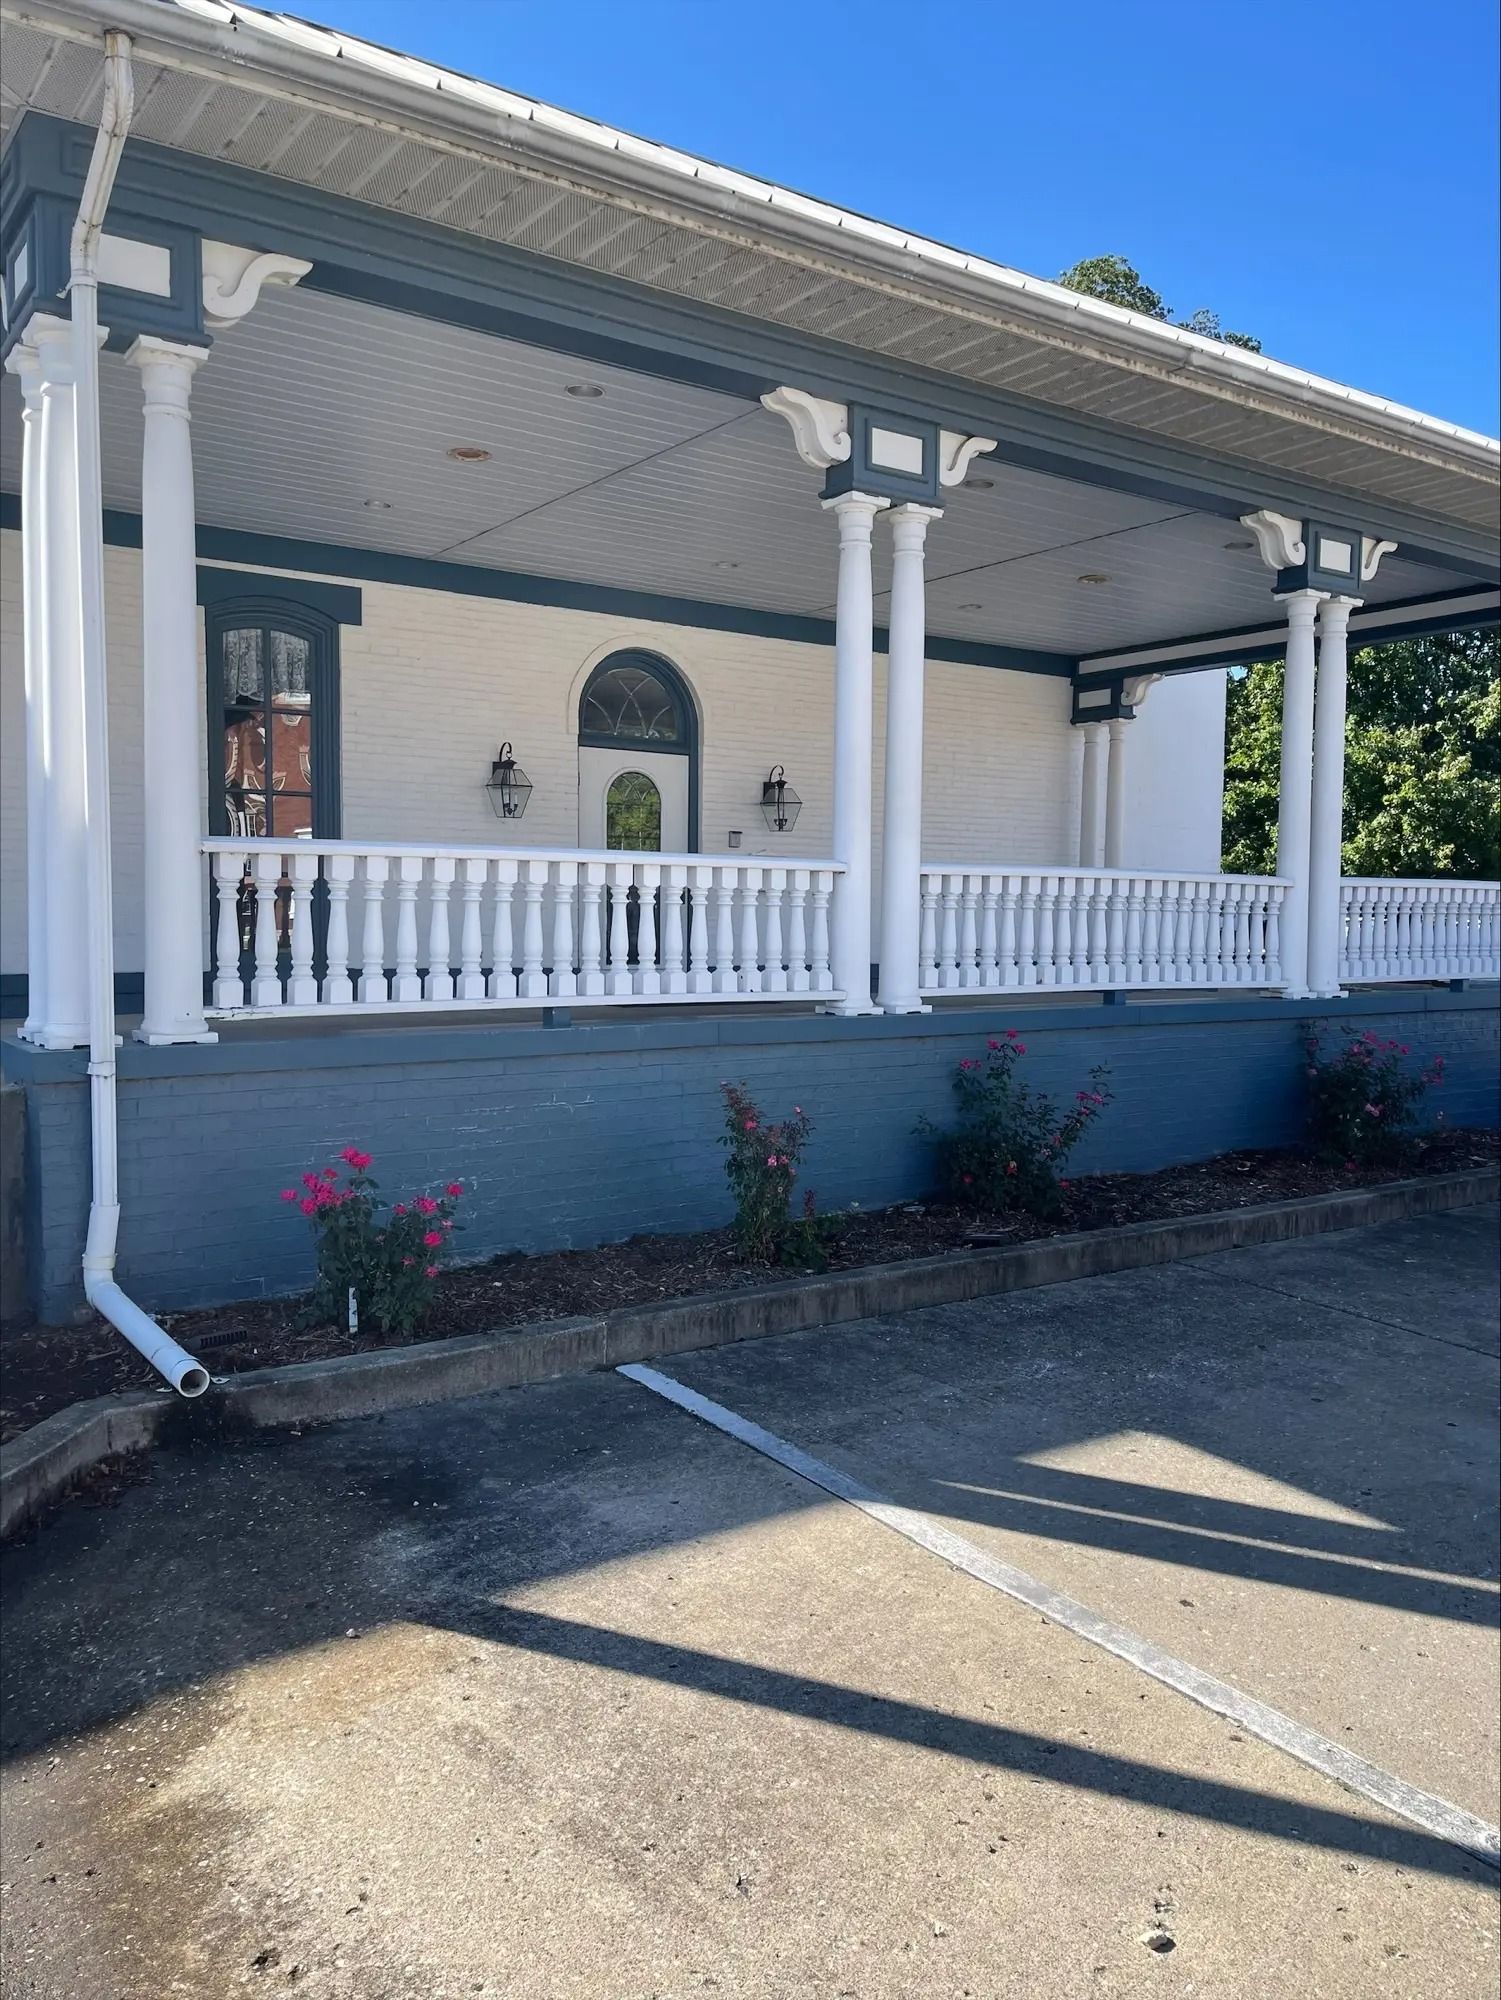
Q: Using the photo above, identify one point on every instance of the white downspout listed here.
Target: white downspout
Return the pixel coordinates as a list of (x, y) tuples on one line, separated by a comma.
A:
[(188, 1376)]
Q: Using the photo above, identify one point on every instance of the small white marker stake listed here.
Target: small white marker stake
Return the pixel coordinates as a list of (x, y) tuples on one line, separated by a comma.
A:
[(354, 1311)]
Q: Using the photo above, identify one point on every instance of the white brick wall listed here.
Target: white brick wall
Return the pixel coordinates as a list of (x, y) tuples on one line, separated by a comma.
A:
[(432, 683)]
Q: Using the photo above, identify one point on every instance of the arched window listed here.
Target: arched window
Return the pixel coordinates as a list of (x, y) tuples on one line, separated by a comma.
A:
[(633, 814), (639, 698)]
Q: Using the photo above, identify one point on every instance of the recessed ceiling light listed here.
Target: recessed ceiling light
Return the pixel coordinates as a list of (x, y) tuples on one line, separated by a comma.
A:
[(727, 565), (1240, 545), (379, 506), (588, 392), (971, 607), (980, 485), (1093, 576), (468, 454)]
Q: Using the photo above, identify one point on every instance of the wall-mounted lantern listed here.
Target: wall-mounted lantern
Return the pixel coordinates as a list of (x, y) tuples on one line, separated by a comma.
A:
[(780, 805), (508, 785)]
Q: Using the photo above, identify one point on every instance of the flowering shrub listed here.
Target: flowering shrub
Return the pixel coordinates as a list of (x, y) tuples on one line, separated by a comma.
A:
[(762, 1166), (388, 1261), (1362, 1101), (1010, 1142)]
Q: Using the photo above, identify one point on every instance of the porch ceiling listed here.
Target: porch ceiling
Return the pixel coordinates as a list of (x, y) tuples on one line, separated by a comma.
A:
[(316, 406)]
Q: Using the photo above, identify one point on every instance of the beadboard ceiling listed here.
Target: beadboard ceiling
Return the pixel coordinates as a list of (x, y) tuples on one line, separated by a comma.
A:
[(330, 420)]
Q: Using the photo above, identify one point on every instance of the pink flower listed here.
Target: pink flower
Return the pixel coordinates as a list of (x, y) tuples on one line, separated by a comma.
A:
[(310, 1180), (433, 1239), (1021, 1048), (1404, 1050), (771, 1159), (308, 1205), (431, 1271), (400, 1208), (455, 1189), (330, 1173), (1011, 1166), (1373, 1111), (969, 1063), (992, 1043), (1063, 1184), (407, 1263), (289, 1194), (750, 1124), (425, 1205), (1011, 1034)]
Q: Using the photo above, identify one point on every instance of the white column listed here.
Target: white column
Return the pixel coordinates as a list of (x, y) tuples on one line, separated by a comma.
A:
[(1294, 798), (1115, 793), (901, 844), (1091, 832), (63, 1024), (171, 700), (23, 361), (853, 705), (1327, 817)]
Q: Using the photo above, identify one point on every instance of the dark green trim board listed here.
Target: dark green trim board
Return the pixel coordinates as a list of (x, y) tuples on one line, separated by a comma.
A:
[(442, 275), (230, 545), (334, 601), (1268, 641)]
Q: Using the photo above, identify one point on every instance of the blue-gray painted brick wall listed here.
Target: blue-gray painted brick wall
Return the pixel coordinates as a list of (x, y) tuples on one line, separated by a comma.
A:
[(601, 1140)]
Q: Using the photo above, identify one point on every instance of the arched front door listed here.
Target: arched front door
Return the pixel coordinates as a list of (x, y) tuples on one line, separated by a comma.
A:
[(637, 758)]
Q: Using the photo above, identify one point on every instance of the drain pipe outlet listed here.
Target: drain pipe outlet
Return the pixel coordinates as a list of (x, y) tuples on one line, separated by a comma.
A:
[(187, 1375)]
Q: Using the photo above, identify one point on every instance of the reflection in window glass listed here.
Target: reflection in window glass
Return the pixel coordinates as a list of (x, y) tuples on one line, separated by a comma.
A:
[(633, 814), (628, 701), (266, 676)]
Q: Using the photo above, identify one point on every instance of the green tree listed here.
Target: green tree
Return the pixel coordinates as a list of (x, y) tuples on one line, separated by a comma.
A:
[(1422, 761), (1121, 284)]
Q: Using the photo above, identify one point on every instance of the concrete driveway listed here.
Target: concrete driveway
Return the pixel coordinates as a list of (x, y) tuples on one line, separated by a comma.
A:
[(565, 1692)]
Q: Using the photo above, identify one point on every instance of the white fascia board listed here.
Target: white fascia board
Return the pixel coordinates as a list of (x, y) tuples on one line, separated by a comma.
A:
[(358, 78)]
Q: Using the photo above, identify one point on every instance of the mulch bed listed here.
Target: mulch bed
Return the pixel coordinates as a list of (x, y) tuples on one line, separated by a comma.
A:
[(45, 1368)]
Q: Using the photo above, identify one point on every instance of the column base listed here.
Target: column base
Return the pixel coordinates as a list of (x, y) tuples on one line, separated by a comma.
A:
[(1326, 993), (849, 1009), (903, 1007), (163, 1038), (58, 1038)]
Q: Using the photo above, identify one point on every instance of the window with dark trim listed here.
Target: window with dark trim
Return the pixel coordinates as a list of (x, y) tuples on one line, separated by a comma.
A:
[(273, 739)]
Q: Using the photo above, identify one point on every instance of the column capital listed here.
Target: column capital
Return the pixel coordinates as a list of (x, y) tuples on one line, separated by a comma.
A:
[(1334, 614), (857, 513), (45, 350), (1117, 726), (1302, 605), (909, 527), (150, 349)]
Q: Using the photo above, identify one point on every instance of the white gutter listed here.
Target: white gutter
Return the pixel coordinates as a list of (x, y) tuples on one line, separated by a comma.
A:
[(299, 62), (188, 1376)]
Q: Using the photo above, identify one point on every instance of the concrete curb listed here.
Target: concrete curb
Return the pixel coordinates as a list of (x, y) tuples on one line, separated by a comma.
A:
[(38, 1466)]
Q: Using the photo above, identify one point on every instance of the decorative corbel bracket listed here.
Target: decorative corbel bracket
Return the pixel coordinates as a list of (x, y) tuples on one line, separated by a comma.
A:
[(1371, 552), (233, 279), (955, 451), (820, 429), (1278, 537), (1134, 690)]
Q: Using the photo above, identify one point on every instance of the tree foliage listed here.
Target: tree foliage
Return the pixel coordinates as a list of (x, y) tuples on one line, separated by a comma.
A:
[(1121, 284), (1422, 761)]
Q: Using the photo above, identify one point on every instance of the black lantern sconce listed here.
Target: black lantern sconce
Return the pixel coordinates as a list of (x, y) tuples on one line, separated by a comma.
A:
[(779, 803), (508, 785)]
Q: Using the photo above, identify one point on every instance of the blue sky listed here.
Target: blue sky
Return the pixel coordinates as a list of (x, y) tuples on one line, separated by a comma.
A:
[(1323, 176)]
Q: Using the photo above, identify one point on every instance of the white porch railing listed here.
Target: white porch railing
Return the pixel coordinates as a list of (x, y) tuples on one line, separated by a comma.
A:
[(320, 926), (1392, 931), (1000, 930)]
